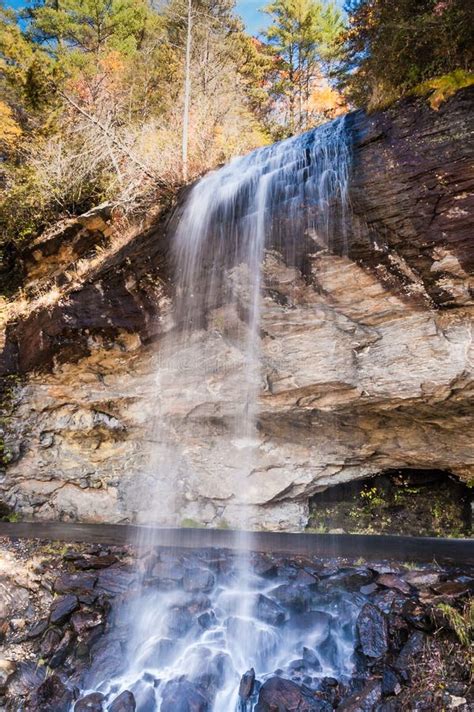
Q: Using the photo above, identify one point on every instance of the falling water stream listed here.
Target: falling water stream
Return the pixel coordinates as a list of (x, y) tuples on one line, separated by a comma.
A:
[(228, 619)]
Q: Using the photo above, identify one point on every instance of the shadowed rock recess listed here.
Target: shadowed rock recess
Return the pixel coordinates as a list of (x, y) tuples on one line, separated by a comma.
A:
[(366, 348)]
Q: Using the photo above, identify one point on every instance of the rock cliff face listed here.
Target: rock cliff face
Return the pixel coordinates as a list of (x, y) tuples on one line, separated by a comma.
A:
[(367, 354)]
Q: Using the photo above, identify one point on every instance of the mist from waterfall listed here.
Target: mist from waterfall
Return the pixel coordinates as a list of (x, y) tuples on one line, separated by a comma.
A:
[(209, 370)]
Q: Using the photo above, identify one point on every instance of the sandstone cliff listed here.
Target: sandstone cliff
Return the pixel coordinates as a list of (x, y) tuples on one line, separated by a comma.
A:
[(367, 353)]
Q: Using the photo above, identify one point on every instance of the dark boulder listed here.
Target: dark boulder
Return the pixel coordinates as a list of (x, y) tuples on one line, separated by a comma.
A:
[(145, 697), (196, 579), (349, 579), (37, 629), (50, 642), (168, 573), (293, 596), (84, 620), (77, 583), (108, 661), (311, 658), (247, 683), (61, 609), (207, 619), (393, 581), (62, 650), (265, 566), (312, 621), (95, 562), (183, 696), (409, 653), (364, 701), (268, 611), (373, 632), (161, 653), (451, 589), (52, 696), (116, 579), (280, 695), (90, 703), (179, 621), (390, 682), (125, 702)]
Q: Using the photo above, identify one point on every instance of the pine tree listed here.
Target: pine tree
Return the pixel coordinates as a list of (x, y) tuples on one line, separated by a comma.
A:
[(303, 35)]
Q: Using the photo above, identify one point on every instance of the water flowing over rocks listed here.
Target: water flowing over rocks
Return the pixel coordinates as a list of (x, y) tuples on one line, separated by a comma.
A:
[(337, 655)]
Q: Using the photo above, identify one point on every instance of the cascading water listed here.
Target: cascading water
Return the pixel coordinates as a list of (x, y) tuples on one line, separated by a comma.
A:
[(228, 620)]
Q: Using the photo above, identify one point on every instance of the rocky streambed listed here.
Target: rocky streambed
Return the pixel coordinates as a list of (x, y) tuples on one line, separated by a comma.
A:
[(101, 629)]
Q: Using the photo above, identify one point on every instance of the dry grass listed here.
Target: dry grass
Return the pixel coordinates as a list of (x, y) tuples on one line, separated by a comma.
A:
[(21, 305), (49, 294)]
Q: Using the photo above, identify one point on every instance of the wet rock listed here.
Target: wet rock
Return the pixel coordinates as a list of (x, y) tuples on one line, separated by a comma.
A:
[(108, 661), (373, 631), (264, 566), (280, 694), (315, 621), (451, 589), (306, 577), (161, 654), (95, 562), (52, 696), (368, 589), (28, 676), (268, 611), (50, 642), (295, 597), (247, 683), (145, 698), (390, 682), (389, 601), (422, 579), (410, 651), (116, 580), (183, 696), (195, 580), (61, 609), (37, 629), (62, 650), (84, 620), (168, 573), (207, 620), (364, 701), (75, 583), (311, 658), (179, 621), (393, 581), (298, 665), (349, 579), (90, 703), (214, 671), (125, 702)]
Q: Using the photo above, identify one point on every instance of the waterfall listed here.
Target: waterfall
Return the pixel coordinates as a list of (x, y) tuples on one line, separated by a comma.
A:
[(209, 364), (209, 371)]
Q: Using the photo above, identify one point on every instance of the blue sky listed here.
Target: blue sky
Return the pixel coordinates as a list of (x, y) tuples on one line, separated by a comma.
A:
[(251, 12)]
